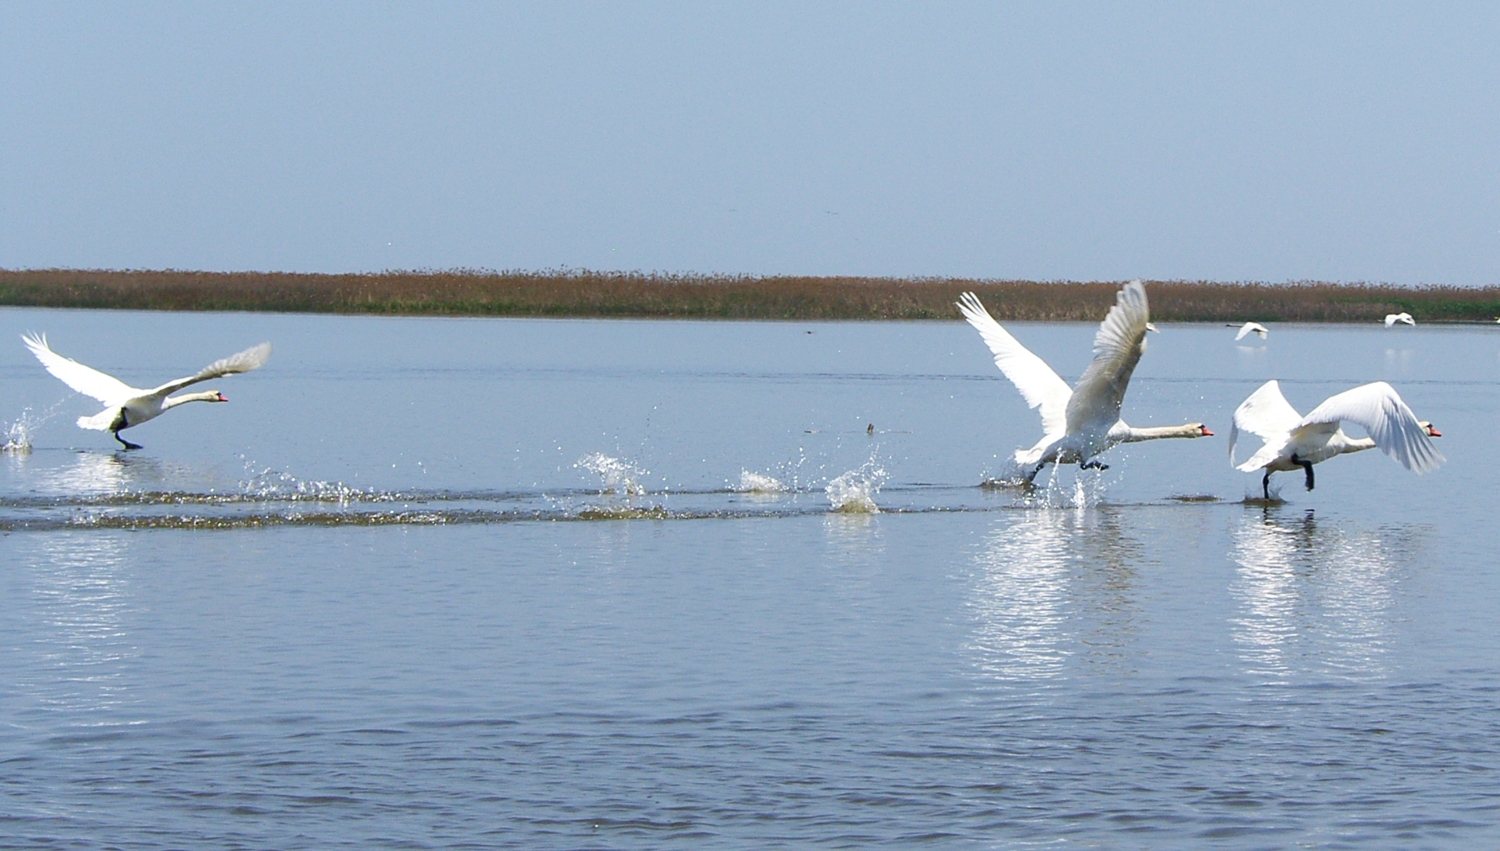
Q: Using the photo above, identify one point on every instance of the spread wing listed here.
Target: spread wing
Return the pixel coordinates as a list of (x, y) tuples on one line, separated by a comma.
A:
[(1379, 410), (1039, 385), (84, 379), (251, 358), (1251, 328), (1265, 414), (1118, 346)]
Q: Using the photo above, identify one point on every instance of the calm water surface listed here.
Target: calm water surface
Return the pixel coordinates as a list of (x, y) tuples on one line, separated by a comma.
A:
[(492, 583)]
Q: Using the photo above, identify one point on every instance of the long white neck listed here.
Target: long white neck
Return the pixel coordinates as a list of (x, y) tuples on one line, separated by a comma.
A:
[(1354, 444), (1135, 435), (174, 401)]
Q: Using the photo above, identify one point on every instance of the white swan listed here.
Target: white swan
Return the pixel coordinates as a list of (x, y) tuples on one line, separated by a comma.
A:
[(126, 406), (1292, 440), (1081, 422), (1403, 318), (1247, 329)]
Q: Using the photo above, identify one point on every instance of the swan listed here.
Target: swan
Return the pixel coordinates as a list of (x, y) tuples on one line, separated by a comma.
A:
[(1247, 329), (1292, 440), (1404, 318), (1081, 422), (126, 406)]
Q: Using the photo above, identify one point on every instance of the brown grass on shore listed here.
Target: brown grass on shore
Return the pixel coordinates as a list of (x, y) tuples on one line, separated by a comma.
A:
[(634, 294)]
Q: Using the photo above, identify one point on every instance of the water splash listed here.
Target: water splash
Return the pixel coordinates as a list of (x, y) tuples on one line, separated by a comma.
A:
[(17, 439), (269, 484), (615, 476), (1062, 486), (760, 483), (18, 434), (854, 492)]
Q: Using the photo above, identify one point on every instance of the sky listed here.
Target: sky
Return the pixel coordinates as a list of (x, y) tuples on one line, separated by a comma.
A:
[(1048, 141)]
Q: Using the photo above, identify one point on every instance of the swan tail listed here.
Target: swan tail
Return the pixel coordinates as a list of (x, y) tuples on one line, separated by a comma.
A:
[(1266, 455), (100, 421)]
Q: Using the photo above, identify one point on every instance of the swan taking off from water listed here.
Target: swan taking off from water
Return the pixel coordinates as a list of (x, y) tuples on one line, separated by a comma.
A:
[(1403, 318), (1292, 440), (1247, 329), (1081, 422), (126, 406)]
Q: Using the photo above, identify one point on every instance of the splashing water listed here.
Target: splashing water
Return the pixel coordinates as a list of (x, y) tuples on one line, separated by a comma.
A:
[(854, 492), (760, 483), (17, 439), (18, 434), (615, 476), (276, 485), (1068, 487)]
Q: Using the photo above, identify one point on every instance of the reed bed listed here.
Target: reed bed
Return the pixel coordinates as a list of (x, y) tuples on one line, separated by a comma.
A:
[(467, 292)]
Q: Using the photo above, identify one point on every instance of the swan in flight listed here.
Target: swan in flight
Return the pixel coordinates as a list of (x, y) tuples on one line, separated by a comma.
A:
[(1292, 440), (1081, 422), (1247, 329), (1403, 318), (126, 406)]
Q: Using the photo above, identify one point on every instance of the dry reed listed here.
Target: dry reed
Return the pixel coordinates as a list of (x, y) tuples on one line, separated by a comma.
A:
[(467, 292)]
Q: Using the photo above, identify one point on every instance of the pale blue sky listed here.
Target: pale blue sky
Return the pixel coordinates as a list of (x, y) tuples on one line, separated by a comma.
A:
[(1334, 141)]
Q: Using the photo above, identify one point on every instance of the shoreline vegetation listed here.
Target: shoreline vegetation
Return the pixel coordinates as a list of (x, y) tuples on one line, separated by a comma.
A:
[(570, 293)]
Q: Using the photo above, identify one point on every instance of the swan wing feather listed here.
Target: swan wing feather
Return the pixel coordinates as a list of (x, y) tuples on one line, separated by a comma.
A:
[(252, 358), (1380, 411), (1251, 328), (84, 379), (1118, 346), (1267, 415), (1040, 386)]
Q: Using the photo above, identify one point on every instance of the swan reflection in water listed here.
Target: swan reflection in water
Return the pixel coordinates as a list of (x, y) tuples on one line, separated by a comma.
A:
[(1314, 596), (103, 473), (1053, 586), (80, 596)]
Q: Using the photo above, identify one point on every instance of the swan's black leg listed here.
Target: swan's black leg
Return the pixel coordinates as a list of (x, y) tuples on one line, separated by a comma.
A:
[(1031, 477), (1092, 464), (127, 444), (1265, 485), (1307, 465)]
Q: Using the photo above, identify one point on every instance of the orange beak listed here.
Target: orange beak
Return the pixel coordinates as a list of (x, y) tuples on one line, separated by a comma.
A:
[(1206, 432), (1434, 432), (222, 398)]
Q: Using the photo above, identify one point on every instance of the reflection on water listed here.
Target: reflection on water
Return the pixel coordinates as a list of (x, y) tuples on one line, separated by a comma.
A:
[(1314, 596), (80, 594), (94, 473), (1054, 585)]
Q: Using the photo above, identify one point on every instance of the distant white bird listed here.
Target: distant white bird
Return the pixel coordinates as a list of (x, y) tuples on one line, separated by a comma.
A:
[(1404, 318), (126, 406), (1081, 422), (1292, 440), (1247, 329)]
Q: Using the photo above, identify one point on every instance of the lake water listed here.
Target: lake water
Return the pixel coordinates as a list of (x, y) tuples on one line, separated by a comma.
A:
[(432, 583)]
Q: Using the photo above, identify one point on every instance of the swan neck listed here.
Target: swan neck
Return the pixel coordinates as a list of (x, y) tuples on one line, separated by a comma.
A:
[(1136, 435), (174, 401)]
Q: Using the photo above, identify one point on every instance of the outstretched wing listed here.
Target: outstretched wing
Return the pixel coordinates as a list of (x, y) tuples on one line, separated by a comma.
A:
[(1266, 414), (1251, 328), (251, 358), (1379, 410), (1118, 346), (1039, 385), (84, 379)]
